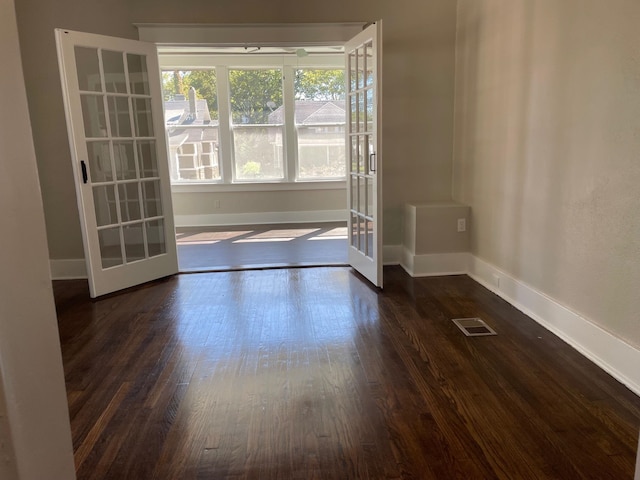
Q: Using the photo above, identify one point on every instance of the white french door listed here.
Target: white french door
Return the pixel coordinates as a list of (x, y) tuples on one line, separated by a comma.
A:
[(364, 182), (113, 104)]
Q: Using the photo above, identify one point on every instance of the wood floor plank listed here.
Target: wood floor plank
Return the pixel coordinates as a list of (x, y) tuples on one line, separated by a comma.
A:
[(313, 374)]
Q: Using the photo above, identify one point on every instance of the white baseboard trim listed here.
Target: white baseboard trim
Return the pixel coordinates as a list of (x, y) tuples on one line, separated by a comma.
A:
[(434, 264), (68, 269), (228, 219), (609, 352)]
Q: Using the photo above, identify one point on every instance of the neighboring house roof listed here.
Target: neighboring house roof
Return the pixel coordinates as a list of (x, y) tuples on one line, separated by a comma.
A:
[(178, 136), (178, 113), (309, 112)]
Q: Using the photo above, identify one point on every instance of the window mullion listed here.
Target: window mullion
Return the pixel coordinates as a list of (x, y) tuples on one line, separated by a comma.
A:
[(224, 115), (290, 137)]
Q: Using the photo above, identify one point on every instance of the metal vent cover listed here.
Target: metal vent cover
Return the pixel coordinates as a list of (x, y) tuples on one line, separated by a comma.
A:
[(473, 327)]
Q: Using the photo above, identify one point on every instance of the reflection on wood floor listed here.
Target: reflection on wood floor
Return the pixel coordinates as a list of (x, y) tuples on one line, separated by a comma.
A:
[(261, 246), (312, 374)]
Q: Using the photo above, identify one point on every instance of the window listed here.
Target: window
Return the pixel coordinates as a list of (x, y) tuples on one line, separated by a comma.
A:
[(191, 120), (257, 123), (255, 118), (320, 123)]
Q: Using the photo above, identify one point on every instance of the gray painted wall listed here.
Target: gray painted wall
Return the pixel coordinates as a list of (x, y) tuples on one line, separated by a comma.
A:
[(546, 149)]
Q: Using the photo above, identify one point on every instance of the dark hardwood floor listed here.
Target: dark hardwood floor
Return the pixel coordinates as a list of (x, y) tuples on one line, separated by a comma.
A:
[(261, 246), (311, 374)]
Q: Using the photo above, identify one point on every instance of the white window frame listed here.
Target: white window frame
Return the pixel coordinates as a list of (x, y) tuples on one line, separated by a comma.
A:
[(288, 64)]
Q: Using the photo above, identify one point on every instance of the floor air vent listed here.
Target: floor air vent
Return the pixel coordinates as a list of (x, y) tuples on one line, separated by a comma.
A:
[(473, 327)]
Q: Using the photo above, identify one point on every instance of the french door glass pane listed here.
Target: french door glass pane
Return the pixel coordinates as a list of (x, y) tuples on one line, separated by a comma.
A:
[(119, 116), (191, 122), (99, 162), (155, 237), (147, 159), (362, 154), (151, 199), (124, 160), (369, 110), (95, 124), (354, 230), (361, 67), (138, 78), (369, 234), (353, 69), (354, 192), (257, 116), (368, 70), (370, 211), (353, 108), (104, 200), (354, 154), (361, 114), (133, 242), (114, 77), (362, 194), (129, 201), (110, 247), (88, 69), (142, 117)]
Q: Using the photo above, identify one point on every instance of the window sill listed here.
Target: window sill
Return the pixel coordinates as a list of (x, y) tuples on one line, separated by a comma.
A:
[(205, 187)]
